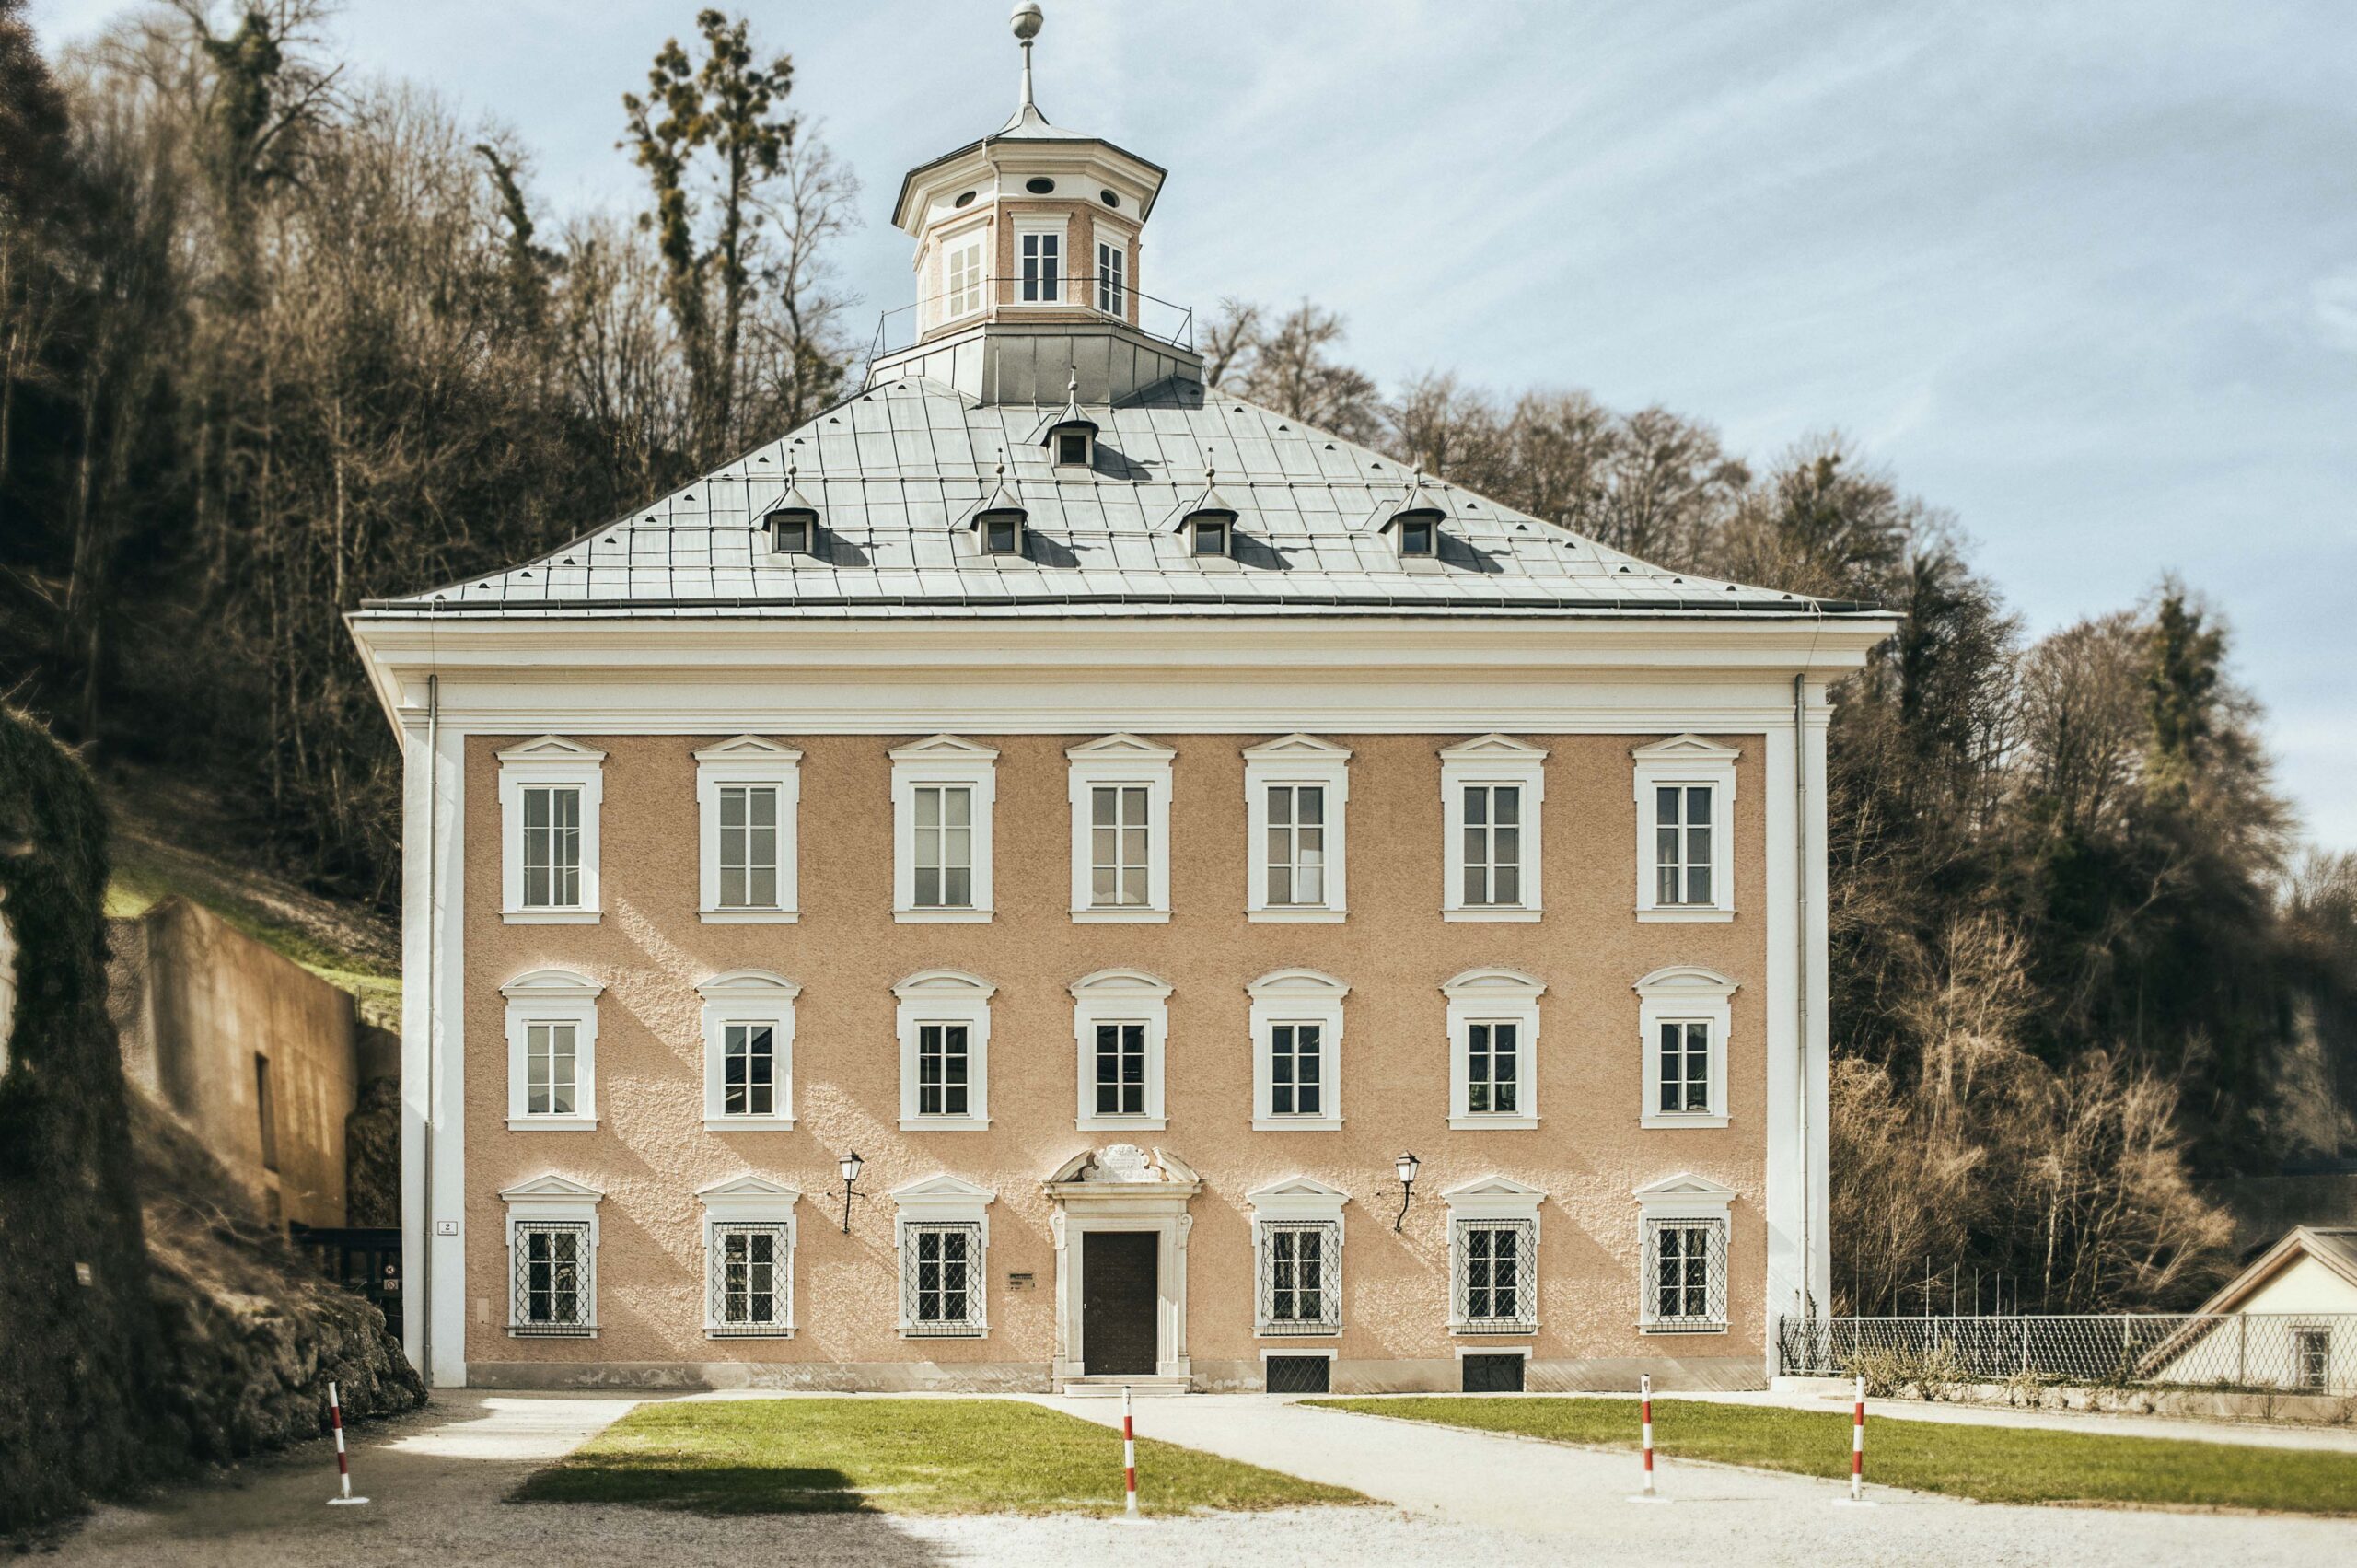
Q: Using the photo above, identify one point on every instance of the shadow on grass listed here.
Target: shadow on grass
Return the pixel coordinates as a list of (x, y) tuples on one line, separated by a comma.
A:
[(702, 1489)]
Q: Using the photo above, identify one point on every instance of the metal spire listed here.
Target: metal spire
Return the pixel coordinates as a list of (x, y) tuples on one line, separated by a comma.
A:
[(1025, 20)]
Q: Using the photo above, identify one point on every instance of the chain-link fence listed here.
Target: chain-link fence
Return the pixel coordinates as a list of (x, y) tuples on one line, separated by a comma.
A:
[(2277, 1352)]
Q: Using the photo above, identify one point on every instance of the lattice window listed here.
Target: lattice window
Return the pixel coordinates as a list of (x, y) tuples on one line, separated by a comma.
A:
[(555, 1285), (1496, 1265), (941, 1278), (1686, 1275), (751, 1283), (1301, 1278), (1682, 828)]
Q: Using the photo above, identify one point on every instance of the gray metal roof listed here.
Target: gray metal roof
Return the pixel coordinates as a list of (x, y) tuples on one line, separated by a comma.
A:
[(895, 471)]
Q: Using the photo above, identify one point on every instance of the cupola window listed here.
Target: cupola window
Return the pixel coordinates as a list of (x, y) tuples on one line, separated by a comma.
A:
[(1043, 266), (793, 522), (1039, 185)]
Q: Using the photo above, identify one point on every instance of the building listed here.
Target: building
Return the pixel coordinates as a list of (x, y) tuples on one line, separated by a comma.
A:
[(1134, 823), (2287, 1321)]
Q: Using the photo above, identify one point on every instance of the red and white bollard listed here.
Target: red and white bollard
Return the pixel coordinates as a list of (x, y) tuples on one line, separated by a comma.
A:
[(1129, 1458), (343, 1463), (1645, 1416), (1857, 1498)]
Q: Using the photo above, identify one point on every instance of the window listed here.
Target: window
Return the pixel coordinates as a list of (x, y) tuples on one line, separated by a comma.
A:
[(1490, 791), (1211, 538), (549, 794), (965, 277), (1492, 1070), (1120, 805), (1120, 834), (1120, 1069), (1112, 279), (266, 1112), (1118, 1019), (1296, 788), (2312, 1359), (793, 533), (1493, 1043), (1072, 449), (1682, 1265), (1297, 1235), (943, 1233), (942, 793), (945, 1028), (749, 792), (1493, 830), (1041, 252), (748, 1258), (1493, 1256), (1416, 537), (748, 1051), (552, 1051), (552, 1253), (1683, 1022), (1685, 789), (942, 1063), (1297, 1037)]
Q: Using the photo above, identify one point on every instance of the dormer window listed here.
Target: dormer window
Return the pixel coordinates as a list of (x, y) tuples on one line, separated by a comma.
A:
[(1414, 524), (999, 522), (1071, 436), (793, 522), (1210, 524)]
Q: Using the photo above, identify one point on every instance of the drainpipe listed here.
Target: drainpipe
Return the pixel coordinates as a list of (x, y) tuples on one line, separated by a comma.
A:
[(433, 991), (1800, 836)]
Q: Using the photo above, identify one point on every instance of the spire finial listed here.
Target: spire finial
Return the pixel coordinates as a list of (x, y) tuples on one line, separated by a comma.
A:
[(1025, 20)]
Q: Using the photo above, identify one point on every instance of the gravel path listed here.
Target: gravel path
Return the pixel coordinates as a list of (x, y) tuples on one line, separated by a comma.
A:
[(440, 1480)]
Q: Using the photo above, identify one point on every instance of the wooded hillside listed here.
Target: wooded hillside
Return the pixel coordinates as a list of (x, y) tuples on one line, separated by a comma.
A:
[(273, 338)]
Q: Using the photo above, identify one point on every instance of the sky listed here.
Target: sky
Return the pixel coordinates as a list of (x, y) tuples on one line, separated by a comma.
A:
[(2083, 275)]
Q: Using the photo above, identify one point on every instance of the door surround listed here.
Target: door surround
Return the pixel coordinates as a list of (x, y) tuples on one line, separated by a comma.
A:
[(1122, 1188)]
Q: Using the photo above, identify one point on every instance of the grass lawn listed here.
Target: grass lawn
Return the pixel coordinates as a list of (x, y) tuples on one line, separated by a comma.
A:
[(808, 1456), (1994, 1464)]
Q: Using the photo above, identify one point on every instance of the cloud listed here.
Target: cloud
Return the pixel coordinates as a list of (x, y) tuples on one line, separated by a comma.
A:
[(2335, 301)]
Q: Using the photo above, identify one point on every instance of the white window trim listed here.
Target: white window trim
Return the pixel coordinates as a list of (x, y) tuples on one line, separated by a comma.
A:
[(549, 759), (552, 1199), (1492, 1198), (941, 759), (1058, 224), (1119, 996), (552, 996), (1297, 759), (942, 1199), (1687, 759), (748, 996), (1297, 1199), (748, 1200), (1679, 994), (1121, 760), (750, 760), (1298, 997), (1684, 1196), (1108, 238), (946, 996), (1491, 760), (1489, 997)]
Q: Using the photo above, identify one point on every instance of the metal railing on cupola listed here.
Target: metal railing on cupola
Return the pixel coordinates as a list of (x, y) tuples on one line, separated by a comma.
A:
[(1161, 320)]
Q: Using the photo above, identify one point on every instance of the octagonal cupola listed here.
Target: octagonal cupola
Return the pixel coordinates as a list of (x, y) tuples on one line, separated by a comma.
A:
[(1037, 230)]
